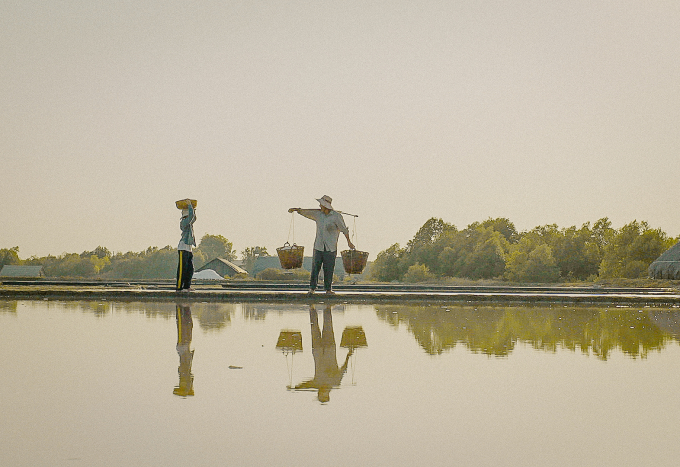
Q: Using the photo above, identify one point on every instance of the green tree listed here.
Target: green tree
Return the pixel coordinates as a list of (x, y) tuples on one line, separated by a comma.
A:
[(486, 259), (548, 234), (154, 263), (632, 249), (69, 265), (250, 255), (476, 252), (541, 265), (99, 263), (100, 252), (9, 256), (215, 246), (577, 252), (503, 226), (427, 245), (431, 230), (531, 260), (603, 233), (386, 267)]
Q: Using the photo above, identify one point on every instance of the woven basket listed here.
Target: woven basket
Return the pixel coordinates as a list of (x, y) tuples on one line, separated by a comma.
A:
[(290, 340), (353, 337), (182, 203), (290, 256), (354, 261)]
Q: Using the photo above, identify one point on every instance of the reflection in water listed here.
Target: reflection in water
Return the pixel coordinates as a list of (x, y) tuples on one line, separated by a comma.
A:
[(327, 373), (258, 311), (403, 412), (8, 306), (353, 337), (496, 330), (213, 316), (185, 327), (667, 321), (209, 316), (289, 342)]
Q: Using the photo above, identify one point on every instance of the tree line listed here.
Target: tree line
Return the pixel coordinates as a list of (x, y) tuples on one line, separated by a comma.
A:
[(494, 249), (152, 263)]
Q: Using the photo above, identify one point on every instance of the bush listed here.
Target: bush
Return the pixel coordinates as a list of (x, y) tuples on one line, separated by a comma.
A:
[(240, 277), (274, 274), (418, 273)]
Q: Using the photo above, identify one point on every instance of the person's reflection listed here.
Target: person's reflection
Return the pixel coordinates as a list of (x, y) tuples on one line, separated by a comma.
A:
[(327, 374), (185, 327)]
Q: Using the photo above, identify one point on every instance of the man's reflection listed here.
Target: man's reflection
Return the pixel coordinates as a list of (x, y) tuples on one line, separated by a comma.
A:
[(185, 327), (327, 374)]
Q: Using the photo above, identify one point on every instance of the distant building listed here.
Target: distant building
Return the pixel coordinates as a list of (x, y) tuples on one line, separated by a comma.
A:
[(222, 267), (666, 266), (10, 270)]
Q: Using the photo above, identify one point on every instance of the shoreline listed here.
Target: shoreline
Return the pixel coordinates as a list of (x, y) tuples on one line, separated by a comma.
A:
[(345, 293)]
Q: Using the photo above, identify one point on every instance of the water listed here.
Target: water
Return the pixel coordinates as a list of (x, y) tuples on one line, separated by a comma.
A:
[(106, 384)]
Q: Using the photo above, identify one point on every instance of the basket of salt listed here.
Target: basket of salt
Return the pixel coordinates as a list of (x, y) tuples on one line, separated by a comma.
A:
[(289, 341), (354, 261), (182, 203), (353, 337), (290, 256)]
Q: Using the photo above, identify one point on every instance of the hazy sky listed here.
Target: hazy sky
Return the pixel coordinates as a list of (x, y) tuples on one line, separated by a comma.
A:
[(539, 111)]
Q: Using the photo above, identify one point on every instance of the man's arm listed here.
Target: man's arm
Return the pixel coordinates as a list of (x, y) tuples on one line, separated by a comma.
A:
[(343, 228), (349, 242), (192, 214), (312, 214)]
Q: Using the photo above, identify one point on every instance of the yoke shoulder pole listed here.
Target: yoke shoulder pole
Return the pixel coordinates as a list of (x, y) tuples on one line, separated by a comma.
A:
[(346, 213)]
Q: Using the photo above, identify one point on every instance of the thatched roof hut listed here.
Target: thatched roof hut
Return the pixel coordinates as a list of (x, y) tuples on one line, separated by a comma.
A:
[(666, 266)]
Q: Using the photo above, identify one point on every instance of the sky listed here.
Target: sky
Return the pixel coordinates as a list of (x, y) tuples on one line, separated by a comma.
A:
[(543, 112)]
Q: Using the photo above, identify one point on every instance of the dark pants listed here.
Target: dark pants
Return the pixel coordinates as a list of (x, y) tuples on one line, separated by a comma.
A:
[(327, 259), (185, 269)]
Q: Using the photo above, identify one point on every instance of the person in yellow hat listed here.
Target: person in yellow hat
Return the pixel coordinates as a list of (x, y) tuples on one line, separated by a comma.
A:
[(329, 224)]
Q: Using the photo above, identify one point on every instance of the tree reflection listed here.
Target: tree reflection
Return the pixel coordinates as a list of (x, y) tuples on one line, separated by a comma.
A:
[(327, 373), (185, 327), (496, 330), (8, 306)]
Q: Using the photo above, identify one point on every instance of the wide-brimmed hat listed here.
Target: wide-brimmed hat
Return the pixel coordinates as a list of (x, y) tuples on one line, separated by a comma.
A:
[(326, 201)]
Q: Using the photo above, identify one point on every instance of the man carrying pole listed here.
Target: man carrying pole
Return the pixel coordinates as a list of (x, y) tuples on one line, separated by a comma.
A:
[(329, 224)]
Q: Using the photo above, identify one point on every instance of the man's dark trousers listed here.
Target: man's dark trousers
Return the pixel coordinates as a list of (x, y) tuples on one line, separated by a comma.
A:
[(327, 259)]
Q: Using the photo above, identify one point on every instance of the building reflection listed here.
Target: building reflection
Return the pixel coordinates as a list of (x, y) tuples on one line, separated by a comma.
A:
[(185, 327), (327, 373), (666, 320)]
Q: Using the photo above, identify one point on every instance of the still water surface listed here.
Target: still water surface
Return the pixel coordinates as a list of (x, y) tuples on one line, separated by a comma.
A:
[(204, 384)]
